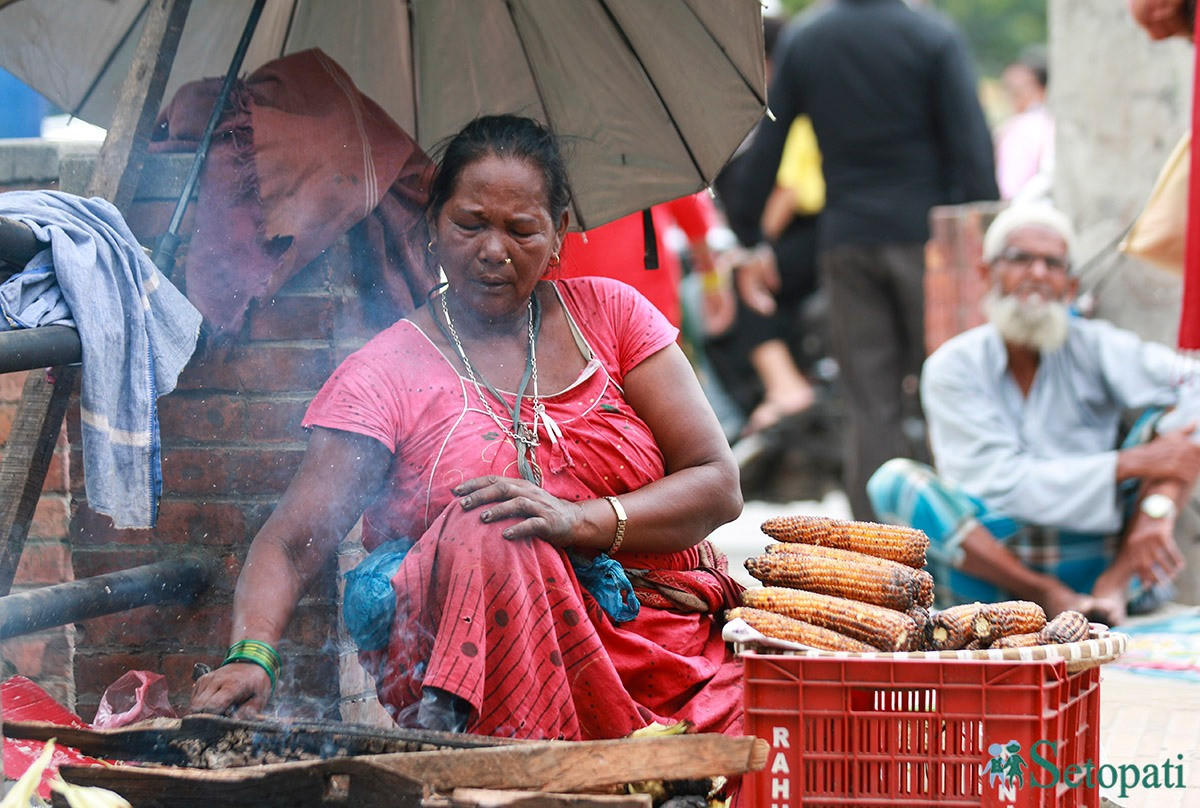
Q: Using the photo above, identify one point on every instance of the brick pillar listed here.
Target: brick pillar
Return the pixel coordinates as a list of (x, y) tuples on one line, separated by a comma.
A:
[(953, 287), (231, 442)]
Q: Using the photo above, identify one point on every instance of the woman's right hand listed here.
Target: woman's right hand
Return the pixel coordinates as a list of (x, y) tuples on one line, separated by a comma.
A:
[(239, 688)]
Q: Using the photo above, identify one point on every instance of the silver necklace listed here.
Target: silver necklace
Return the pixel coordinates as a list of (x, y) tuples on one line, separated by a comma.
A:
[(525, 438)]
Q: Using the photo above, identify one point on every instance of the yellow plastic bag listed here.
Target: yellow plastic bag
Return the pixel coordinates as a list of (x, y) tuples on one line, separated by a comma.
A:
[(1158, 234)]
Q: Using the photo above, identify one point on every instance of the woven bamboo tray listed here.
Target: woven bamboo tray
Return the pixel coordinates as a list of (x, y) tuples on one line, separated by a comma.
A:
[(1100, 647)]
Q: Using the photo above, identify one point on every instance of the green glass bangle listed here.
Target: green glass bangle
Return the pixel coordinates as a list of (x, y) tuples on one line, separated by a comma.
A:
[(256, 653), (258, 648), (252, 660)]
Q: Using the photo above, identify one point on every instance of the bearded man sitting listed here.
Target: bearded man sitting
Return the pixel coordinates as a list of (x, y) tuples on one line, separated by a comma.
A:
[(1035, 496)]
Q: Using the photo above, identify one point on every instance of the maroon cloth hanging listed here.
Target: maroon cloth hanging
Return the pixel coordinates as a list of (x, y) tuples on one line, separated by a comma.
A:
[(298, 159)]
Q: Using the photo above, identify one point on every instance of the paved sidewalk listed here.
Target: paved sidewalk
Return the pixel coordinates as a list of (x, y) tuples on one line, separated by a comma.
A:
[(1146, 720)]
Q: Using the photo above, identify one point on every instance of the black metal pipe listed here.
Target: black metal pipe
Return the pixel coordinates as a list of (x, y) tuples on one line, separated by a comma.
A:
[(164, 253), (18, 244), (180, 580), (45, 347)]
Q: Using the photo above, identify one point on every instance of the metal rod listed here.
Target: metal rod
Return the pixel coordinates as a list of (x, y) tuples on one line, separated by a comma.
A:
[(179, 580), (18, 244), (45, 347), (164, 254)]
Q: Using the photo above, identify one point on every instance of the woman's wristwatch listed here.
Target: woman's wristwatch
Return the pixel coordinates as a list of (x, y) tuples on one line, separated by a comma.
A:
[(619, 509)]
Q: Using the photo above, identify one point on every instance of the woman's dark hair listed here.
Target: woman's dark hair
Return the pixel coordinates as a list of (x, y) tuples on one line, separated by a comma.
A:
[(502, 136)]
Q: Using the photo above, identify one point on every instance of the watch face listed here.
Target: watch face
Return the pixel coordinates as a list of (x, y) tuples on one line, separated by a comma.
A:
[(1157, 506)]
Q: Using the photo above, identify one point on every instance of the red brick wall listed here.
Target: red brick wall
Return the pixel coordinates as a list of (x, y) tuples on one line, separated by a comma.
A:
[(231, 443)]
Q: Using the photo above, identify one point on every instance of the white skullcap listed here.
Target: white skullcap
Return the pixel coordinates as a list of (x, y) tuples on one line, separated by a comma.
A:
[(1036, 214)]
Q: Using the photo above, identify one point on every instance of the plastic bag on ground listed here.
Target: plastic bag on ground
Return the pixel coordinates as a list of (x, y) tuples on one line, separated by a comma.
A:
[(136, 696)]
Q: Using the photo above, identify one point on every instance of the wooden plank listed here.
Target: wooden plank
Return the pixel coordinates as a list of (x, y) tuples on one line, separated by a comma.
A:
[(201, 740), (344, 784), (585, 765), (554, 766), (35, 430), (490, 798)]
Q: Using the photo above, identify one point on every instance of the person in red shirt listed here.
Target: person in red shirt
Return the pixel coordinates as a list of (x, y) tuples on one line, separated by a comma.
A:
[(617, 250)]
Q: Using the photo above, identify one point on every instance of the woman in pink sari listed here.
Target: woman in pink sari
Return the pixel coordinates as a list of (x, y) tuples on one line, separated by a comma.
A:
[(548, 449)]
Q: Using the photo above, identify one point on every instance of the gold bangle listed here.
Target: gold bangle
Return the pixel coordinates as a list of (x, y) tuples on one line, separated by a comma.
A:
[(621, 520)]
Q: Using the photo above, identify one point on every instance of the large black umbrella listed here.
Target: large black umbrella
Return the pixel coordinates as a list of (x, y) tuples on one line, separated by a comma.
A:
[(652, 95)]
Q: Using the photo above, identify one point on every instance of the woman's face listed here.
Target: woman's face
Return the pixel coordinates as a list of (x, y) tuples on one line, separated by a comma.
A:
[(498, 211)]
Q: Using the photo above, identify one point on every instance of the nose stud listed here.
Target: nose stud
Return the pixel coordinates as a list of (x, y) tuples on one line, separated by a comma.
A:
[(508, 260)]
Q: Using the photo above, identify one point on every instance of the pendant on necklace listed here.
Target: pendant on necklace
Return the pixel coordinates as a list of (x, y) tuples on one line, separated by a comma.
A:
[(552, 429)]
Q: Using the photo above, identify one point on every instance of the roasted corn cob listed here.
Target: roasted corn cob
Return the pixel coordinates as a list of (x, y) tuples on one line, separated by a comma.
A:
[(901, 544), (920, 641), (977, 644), (953, 628), (1013, 617), (1019, 640), (1067, 627), (786, 628), (885, 629), (804, 529), (924, 589), (842, 573)]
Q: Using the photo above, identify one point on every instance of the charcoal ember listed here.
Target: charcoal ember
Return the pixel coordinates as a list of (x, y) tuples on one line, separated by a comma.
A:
[(237, 747)]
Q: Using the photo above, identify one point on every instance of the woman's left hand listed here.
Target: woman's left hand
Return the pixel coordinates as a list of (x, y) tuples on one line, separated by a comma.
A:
[(546, 516)]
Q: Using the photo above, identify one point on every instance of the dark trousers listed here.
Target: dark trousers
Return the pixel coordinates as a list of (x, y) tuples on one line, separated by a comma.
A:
[(877, 323), (796, 257)]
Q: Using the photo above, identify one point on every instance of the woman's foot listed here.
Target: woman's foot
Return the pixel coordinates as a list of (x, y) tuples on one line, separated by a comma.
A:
[(786, 391)]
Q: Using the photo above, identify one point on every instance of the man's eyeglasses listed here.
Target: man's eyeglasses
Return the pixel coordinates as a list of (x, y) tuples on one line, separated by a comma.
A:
[(1024, 260)]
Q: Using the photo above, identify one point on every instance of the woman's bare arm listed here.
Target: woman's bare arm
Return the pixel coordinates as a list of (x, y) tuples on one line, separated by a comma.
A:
[(340, 474), (702, 488)]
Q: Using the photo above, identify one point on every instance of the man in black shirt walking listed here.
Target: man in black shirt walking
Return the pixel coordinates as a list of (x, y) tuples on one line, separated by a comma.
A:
[(891, 94)]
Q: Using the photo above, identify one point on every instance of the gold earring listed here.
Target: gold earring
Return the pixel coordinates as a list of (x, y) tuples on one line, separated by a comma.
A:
[(554, 259), (429, 247)]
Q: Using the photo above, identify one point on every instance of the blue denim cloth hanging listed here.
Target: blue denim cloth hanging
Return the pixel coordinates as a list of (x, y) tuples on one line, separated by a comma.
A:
[(137, 331)]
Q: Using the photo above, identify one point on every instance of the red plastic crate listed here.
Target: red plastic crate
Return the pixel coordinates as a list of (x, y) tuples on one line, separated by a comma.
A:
[(913, 732)]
